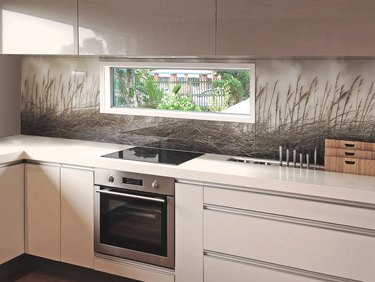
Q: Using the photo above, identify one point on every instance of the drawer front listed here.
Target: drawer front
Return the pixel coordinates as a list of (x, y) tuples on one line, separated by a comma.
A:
[(313, 210), (345, 153), (350, 165), (222, 270), (345, 165), (350, 145), (306, 247)]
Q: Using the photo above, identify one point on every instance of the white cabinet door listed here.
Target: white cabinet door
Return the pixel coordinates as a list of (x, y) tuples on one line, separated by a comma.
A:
[(1, 27), (43, 211), (295, 27), (11, 212), (147, 28), (39, 27), (189, 233), (77, 216)]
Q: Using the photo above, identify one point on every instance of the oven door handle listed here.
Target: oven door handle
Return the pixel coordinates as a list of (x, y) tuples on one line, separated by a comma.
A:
[(105, 191)]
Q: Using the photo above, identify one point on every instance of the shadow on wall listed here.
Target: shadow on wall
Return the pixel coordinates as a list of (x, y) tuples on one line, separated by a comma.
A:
[(299, 103)]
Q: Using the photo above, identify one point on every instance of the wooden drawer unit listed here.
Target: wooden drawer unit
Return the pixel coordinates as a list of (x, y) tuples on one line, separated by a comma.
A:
[(350, 157)]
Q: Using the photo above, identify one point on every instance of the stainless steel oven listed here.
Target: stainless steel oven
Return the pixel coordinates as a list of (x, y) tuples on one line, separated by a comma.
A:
[(134, 216)]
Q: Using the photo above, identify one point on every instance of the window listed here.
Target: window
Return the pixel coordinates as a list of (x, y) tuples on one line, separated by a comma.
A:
[(207, 91)]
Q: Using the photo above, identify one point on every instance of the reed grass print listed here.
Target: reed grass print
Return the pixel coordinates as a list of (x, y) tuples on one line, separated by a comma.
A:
[(60, 105), (343, 106), (298, 110)]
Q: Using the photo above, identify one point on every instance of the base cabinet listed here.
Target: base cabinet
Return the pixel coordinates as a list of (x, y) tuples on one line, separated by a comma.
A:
[(189, 229), (273, 241), (77, 216), (43, 211), (11, 212), (59, 213), (268, 239)]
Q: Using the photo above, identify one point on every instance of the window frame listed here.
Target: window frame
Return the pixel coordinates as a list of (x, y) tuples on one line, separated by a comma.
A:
[(106, 98)]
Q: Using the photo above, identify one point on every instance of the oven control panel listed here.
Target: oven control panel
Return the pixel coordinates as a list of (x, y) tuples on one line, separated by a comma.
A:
[(135, 181)]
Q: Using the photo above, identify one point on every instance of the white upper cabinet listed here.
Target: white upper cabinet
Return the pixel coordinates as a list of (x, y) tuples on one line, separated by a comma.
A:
[(147, 28), (296, 27), (39, 27), (1, 27)]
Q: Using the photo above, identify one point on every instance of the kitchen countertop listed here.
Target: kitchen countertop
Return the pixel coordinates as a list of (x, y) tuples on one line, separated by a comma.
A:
[(207, 169)]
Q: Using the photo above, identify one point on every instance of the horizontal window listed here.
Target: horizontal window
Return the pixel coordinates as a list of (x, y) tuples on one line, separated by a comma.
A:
[(206, 91)]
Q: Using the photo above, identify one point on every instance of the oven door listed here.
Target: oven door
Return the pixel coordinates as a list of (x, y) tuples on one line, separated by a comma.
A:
[(133, 225)]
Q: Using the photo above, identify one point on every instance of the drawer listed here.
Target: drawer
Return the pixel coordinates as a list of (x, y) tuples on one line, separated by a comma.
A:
[(268, 239), (351, 145), (223, 270), (346, 153), (350, 165), (345, 165), (293, 207)]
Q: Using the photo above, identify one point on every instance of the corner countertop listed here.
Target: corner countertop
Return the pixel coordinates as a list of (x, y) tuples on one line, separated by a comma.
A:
[(208, 169)]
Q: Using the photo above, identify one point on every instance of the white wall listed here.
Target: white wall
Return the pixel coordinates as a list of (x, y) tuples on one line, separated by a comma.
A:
[(10, 95)]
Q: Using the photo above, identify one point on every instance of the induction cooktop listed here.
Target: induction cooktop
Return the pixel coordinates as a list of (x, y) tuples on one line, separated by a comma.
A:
[(154, 155)]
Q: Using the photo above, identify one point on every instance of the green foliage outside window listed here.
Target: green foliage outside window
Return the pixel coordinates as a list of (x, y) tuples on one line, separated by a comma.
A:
[(138, 88), (234, 84), (174, 101)]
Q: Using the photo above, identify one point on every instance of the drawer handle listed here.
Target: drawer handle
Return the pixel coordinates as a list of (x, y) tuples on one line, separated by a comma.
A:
[(349, 154), (350, 162), (349, 145)]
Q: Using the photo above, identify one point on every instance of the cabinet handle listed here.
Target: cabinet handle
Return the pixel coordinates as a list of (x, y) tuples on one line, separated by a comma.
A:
[(349, 145), (126, 195), (276, 267), (349, 154), (350, 162)]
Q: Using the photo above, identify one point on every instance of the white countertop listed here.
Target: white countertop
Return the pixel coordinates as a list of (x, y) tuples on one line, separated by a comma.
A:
[(209, 168)]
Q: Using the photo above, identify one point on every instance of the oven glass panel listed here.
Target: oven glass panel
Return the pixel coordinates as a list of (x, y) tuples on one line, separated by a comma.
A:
[(134, 224)]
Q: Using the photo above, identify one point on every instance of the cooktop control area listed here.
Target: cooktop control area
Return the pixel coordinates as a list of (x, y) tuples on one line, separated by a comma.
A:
[(154, 155)]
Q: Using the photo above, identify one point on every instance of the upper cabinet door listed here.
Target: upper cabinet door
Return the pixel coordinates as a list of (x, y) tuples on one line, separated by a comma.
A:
[(296, 27), (147, 27), (39, 27), (1, 27)]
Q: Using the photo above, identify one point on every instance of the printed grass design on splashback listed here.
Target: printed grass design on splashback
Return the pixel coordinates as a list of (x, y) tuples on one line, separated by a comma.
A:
[(304, 115), (300, 116), (56, 105)]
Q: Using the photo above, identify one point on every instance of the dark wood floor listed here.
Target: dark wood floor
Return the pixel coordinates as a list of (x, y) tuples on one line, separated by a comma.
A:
[(42, 277), (33, 269)]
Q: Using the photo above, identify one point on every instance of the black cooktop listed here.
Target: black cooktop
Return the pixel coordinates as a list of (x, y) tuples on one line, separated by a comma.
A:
[(154, 155)]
